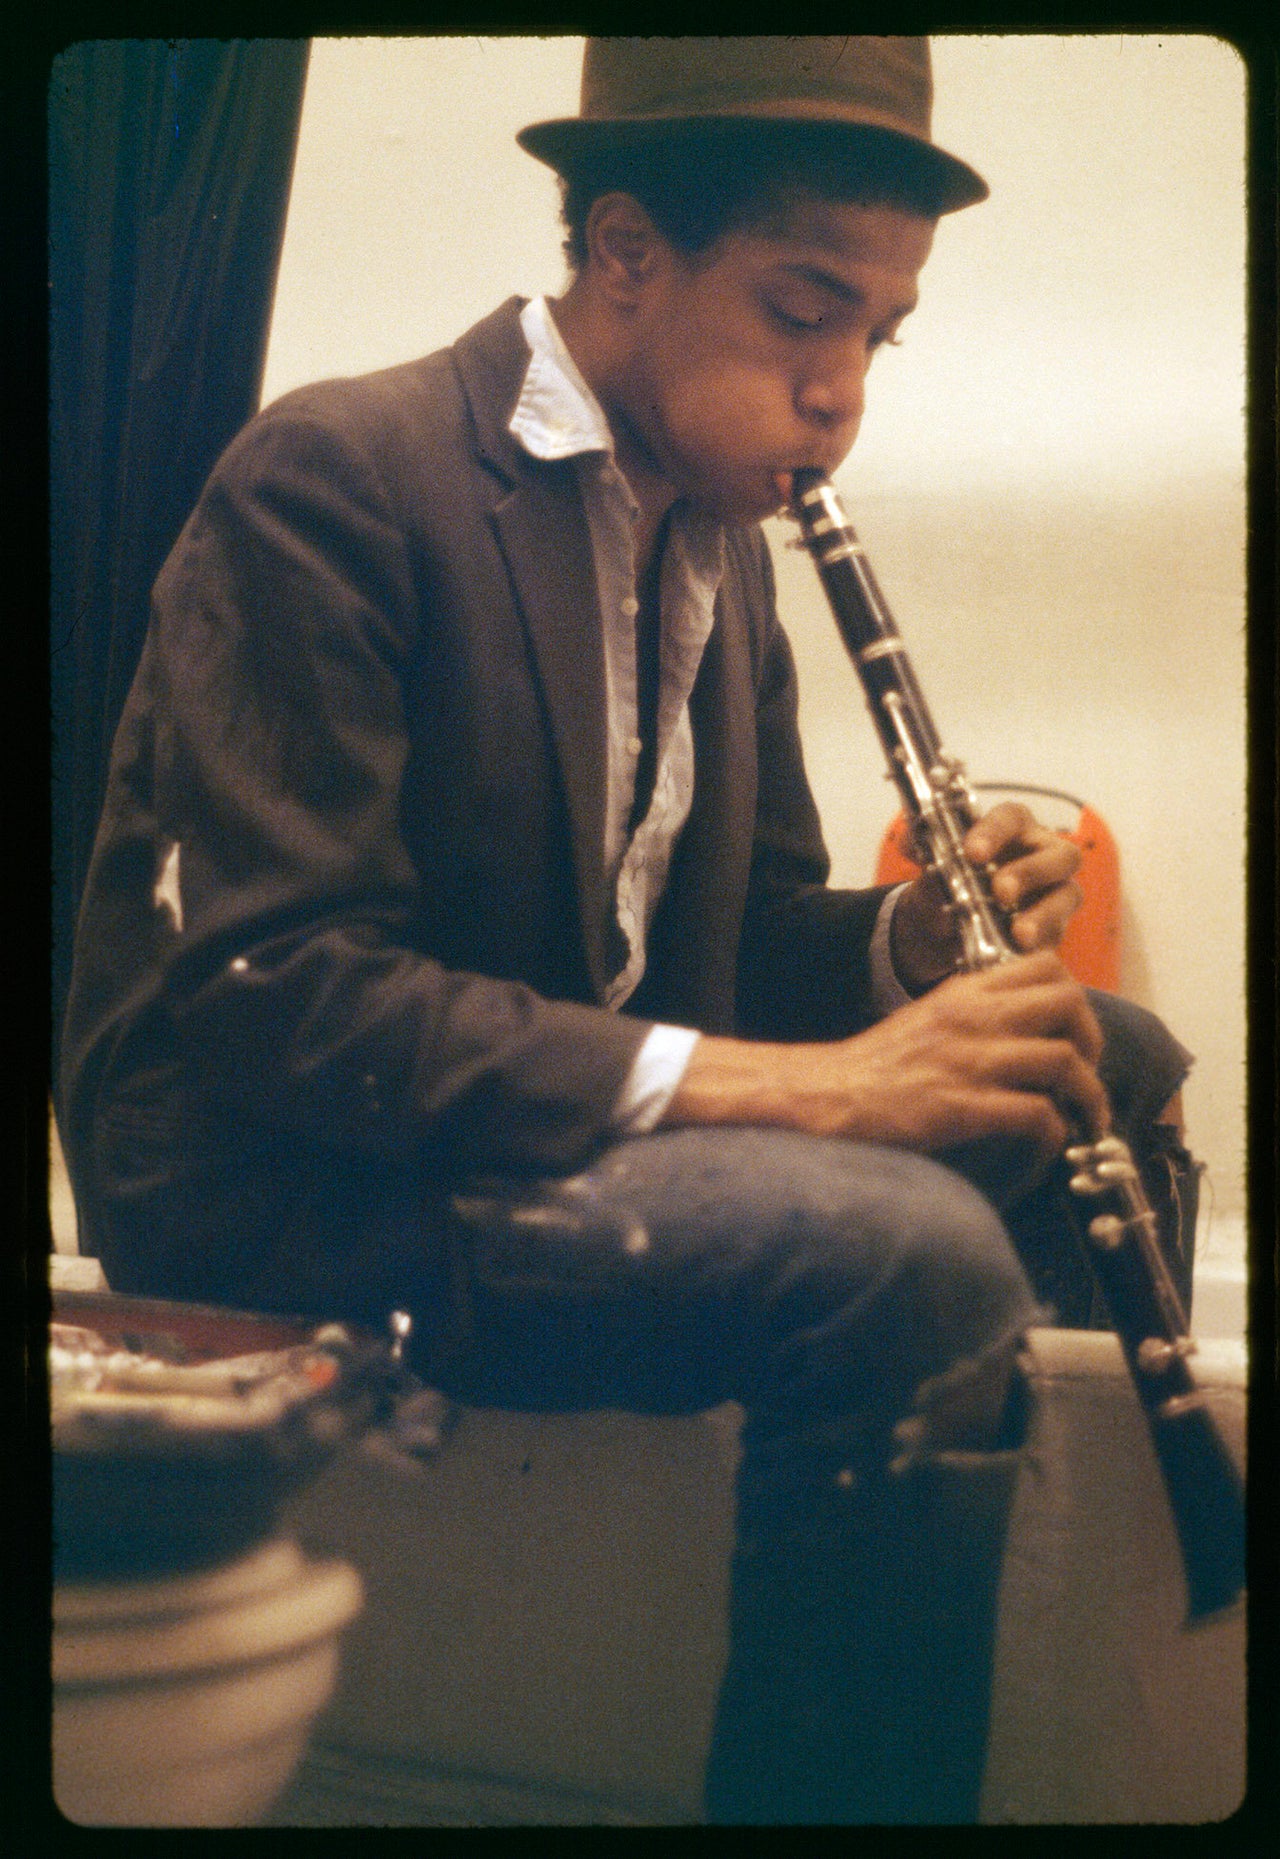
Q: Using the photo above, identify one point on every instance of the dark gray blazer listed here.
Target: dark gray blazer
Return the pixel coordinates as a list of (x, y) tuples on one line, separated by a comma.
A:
[(370, 712)]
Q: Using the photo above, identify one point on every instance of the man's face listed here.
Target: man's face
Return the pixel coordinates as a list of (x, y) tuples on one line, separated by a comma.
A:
[(751, 359)]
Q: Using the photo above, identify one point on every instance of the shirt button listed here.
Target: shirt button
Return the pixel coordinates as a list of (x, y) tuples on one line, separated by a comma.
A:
[(630, 606), (634, 745)]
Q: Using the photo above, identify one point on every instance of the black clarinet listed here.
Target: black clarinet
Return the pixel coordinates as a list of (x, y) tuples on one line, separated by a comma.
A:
[(1205, 1489)]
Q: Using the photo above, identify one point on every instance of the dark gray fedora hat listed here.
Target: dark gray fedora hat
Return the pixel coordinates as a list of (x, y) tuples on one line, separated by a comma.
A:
[(876, 91)]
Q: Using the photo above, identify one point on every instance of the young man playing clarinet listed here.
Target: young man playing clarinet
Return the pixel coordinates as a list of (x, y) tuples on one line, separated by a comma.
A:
[(458, 935)]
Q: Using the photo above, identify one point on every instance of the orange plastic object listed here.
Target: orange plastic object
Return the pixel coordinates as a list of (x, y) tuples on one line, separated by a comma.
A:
[(1091, 947)]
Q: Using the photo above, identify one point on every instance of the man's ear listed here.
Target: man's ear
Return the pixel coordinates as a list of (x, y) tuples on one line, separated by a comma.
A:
[(624, 247)]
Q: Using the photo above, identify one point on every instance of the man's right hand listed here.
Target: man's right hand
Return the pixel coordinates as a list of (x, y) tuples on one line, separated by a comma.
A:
[(1009, 1051)]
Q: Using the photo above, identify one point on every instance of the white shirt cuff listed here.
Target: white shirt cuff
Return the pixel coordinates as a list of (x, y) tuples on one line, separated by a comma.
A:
[(887, 992), (651, 1083), (660, 1063)]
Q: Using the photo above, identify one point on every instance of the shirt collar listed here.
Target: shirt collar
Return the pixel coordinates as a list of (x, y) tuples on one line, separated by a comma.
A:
[(557, 415)]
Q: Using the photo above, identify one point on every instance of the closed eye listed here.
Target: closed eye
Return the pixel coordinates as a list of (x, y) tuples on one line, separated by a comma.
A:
[(797, 324), (787, 319)]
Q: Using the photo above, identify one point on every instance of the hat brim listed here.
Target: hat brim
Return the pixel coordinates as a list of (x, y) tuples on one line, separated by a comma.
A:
[(942, 182)]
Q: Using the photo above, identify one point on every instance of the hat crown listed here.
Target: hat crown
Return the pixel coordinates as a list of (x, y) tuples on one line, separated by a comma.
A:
[(885, 80), (869, 99)]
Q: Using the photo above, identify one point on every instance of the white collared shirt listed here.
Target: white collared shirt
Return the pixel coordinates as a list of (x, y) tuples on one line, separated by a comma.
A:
[(558, 417)]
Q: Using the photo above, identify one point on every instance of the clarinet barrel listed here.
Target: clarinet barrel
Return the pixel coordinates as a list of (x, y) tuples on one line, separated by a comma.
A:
[(1118, 1231)]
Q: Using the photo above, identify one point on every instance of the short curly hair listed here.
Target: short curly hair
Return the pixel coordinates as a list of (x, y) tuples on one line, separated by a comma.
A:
[(699, 184)]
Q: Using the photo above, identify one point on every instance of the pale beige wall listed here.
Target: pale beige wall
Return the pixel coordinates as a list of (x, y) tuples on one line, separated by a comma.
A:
[(1049, 477)]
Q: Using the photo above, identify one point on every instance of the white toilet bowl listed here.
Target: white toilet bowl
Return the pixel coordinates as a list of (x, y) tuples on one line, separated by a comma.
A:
[(187, 1700)]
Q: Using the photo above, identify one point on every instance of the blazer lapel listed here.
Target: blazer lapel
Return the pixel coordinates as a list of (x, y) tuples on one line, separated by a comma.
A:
[(543, 534)]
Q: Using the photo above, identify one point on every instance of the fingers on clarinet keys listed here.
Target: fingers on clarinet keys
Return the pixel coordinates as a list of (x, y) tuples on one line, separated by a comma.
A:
[(1101, 1165)]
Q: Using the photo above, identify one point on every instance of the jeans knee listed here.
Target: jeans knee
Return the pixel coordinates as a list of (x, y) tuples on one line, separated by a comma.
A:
[(911, 1352), (957, 1263), (969, 1304), (1142, 1064), (906, 1276)]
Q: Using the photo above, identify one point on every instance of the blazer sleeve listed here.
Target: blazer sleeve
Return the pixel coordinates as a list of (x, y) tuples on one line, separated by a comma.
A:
[(279, 937), (804, 959)]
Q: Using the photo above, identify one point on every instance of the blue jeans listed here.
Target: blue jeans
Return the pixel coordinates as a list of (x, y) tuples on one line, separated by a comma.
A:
[(864, 1305), (798, 1275)]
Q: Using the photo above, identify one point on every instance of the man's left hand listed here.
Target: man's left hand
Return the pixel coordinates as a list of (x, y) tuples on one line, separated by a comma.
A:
[(1033, 883)]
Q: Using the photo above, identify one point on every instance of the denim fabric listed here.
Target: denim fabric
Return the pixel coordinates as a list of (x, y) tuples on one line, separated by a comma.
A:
[(800, 1276), (1142, 1064), (864, 1305)]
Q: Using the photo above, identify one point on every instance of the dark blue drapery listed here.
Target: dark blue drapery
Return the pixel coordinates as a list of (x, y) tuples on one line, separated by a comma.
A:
[(169, 171)]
